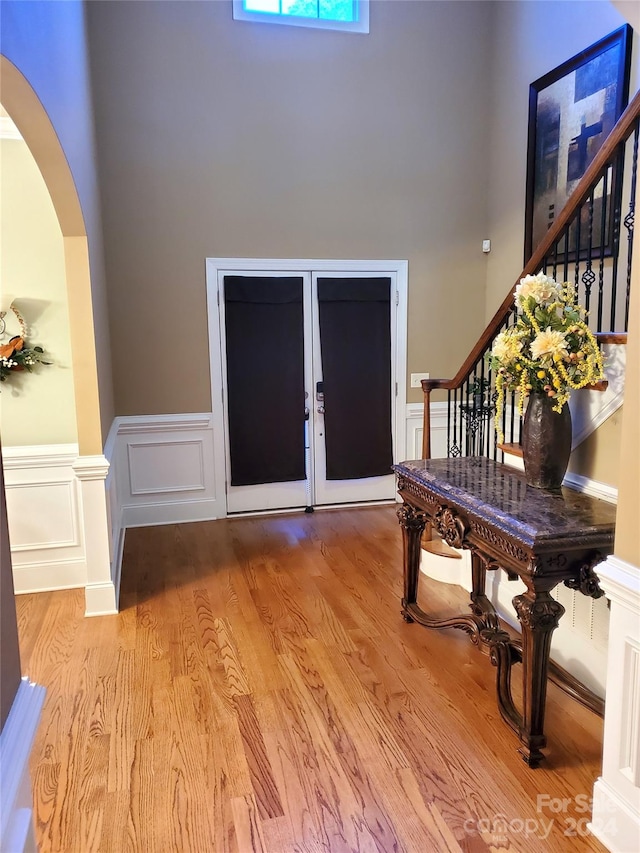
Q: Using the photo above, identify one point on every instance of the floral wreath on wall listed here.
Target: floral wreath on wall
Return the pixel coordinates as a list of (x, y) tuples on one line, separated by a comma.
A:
[(17, 355)]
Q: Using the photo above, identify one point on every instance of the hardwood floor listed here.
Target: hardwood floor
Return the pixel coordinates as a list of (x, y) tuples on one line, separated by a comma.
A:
[(259, 691)]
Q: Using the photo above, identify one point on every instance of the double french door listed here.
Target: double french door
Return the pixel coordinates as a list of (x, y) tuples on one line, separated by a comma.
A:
[(308, 369)]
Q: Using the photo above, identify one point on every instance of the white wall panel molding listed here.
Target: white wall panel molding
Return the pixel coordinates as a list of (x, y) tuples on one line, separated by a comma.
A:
[(616, 794), (91, 467), (164, 471), (58, 521), (39, 457), (46, 526), (16, 741), (162, 423), (414, 430), (101, 591)]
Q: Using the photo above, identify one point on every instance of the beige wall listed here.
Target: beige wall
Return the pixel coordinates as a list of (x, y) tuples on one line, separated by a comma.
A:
[(530, 39), (627, 527), (46, 43), (32, 272), (598, 456), (221, 138)]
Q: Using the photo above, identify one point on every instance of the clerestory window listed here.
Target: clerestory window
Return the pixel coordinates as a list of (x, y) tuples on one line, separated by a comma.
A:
[(349, 15)]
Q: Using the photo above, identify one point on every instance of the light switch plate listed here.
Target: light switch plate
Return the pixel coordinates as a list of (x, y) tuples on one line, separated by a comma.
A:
[(416, 379)]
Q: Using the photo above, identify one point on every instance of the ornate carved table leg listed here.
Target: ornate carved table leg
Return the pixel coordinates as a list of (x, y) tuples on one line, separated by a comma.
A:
[(412, 521), (539, 615)]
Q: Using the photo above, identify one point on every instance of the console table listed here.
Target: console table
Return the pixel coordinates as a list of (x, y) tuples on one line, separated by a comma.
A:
[(544, 538)]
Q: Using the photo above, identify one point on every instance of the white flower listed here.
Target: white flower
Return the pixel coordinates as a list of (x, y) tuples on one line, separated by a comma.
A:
[(541, 287), (549, 343), (506, 347)]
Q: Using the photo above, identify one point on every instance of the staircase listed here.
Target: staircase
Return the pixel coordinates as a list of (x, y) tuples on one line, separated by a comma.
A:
[(602, 278), (590, 244)]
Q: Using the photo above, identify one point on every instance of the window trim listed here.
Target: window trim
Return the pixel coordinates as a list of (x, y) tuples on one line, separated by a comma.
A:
[(359, 26)]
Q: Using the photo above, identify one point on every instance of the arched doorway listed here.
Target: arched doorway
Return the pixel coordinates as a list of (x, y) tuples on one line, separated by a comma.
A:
[(90, 468)]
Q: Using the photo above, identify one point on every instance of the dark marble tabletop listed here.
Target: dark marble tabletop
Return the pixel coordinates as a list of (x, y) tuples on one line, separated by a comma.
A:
[(499, 495)]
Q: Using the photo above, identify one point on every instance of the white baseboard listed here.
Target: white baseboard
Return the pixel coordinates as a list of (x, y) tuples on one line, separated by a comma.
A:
[(615, 823), (16, 741)]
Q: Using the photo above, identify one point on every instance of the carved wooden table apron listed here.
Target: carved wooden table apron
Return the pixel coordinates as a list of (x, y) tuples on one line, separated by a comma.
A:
[(541, 537)]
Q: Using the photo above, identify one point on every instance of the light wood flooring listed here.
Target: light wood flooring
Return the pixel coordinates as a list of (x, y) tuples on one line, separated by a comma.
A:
[(259, 691)]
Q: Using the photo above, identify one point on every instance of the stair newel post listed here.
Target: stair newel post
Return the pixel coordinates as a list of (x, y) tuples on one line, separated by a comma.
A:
[(427, 385)]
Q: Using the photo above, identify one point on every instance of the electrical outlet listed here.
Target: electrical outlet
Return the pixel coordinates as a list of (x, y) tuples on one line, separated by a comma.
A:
[(486, 246), (416, 379)]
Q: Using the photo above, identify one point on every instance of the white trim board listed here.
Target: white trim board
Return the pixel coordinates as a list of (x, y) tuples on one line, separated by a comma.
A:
[(16, 741)]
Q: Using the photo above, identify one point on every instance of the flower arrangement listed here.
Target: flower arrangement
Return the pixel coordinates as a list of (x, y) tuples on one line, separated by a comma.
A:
[(17, 355), (549, 350)]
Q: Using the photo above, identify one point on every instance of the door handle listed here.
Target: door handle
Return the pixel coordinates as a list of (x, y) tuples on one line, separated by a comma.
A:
[(320, 410)]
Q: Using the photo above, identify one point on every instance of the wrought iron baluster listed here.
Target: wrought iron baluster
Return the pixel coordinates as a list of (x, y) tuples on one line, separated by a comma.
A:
[(629, 222), (603, 240), (578, 220), (588, 276), (565, 275), (616, 201)]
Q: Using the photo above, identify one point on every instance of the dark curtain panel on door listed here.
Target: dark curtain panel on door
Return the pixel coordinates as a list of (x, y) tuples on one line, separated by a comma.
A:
[(265, 379), (355, 343)]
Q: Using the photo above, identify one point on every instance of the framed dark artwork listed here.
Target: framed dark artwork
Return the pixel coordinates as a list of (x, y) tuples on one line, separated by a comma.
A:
[(572, 110)]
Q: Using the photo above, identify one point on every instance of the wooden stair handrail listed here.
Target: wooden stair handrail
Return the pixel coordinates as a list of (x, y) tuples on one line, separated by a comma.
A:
[(620, 133)]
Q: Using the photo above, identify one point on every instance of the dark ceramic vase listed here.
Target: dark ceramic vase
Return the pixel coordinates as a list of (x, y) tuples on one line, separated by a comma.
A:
[(546, 442)]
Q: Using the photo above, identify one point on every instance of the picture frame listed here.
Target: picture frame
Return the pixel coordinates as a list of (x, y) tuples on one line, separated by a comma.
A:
[(572, 109)]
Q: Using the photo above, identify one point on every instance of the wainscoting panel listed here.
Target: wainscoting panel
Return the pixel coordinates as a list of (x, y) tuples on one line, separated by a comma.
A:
[(164, 472), (438, 430), (45, 517)]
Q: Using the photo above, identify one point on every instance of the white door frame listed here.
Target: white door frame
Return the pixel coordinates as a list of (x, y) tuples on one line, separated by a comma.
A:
[(218, 267)]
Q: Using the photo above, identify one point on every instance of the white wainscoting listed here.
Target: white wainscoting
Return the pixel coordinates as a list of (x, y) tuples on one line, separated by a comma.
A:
[(44, 511), (616, 795), (164, 472), (57, 516), (414, 430)]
